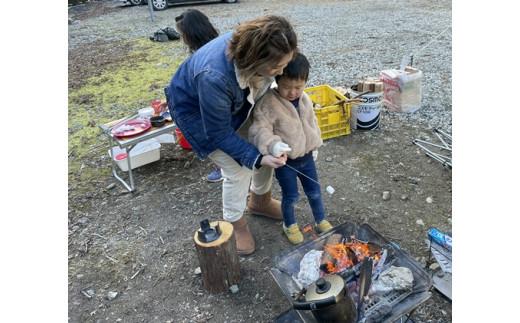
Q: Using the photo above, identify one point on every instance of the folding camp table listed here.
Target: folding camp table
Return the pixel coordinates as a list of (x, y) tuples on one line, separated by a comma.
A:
[(129, 143)]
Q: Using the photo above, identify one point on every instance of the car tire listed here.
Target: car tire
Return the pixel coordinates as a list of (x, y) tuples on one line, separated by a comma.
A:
[(159, 4), (136, 2)]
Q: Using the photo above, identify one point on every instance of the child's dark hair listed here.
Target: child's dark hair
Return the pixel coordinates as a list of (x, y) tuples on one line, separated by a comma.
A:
[(195, 28), (297, 69)]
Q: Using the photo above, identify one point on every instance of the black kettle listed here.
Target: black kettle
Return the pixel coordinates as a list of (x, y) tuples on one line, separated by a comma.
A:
[(329, 301)]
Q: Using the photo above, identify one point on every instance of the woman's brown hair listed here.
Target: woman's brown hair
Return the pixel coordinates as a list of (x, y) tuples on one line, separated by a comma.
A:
[(266, 39)]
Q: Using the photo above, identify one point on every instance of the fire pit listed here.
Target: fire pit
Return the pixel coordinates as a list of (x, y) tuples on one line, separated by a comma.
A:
[(363, 241)]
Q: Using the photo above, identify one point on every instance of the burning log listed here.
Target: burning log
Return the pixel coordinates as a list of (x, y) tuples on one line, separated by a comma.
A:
[(339, 255), (328, 257), (219, 263)]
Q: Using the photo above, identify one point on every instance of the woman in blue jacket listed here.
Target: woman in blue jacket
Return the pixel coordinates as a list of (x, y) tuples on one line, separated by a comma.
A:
[(211, 97)]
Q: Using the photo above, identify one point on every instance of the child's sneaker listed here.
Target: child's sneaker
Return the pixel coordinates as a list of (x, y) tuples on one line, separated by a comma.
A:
[(293, 233), (215, 176), (323, 226)]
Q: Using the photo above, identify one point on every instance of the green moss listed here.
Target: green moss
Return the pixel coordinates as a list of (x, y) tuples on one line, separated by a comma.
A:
[(120, 90)]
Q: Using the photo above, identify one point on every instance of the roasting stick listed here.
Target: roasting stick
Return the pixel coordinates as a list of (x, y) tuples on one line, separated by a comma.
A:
[(329, 188)]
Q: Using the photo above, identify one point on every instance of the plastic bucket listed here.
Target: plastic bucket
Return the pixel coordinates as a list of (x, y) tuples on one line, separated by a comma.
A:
[(366, 115), (181, 140)]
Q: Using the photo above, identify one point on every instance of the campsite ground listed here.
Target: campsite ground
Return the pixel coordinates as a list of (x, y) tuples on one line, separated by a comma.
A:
[(140, 245)]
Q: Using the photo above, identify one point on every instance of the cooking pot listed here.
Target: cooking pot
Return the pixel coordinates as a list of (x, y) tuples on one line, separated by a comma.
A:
[(329, 301)]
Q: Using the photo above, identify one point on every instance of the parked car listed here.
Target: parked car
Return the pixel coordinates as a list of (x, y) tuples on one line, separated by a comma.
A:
[(163, 4)]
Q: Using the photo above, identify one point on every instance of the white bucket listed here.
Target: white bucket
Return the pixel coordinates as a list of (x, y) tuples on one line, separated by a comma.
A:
[(366, 115)]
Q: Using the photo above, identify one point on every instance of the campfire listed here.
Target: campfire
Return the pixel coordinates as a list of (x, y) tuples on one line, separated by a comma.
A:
[(341, 256), (393, 285)]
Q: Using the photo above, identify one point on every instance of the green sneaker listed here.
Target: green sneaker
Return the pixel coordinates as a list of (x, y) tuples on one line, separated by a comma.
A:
[(323, 226), (293, 233)]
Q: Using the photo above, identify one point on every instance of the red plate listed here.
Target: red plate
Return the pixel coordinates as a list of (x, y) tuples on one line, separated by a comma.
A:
[(131, 128)]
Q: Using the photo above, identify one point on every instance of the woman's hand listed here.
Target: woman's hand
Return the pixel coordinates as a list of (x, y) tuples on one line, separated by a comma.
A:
[(274, 162)]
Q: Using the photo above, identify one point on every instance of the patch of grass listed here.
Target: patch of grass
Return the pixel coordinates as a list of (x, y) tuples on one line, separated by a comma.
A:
[(117, 92)]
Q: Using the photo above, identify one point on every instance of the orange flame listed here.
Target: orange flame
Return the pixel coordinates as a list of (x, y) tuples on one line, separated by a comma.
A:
[(342, 256), (339, 253), (360, 249)]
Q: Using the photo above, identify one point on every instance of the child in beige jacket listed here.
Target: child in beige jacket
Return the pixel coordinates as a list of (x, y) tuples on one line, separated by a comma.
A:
[(284, 123)]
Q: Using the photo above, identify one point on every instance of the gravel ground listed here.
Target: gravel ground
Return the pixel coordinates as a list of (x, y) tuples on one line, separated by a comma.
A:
[(344, 40), (139, 245)]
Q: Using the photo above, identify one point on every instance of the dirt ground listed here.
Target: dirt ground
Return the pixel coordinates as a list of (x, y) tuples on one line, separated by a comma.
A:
[(140, 245)]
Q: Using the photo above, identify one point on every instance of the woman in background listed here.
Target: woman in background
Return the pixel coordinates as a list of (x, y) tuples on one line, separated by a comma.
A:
[(196, 30)]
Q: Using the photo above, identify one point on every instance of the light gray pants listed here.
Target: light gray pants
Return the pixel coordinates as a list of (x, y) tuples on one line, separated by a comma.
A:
[(238, 180)]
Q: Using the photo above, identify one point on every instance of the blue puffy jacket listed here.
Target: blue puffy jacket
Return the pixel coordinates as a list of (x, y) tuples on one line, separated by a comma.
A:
[(208, 105)]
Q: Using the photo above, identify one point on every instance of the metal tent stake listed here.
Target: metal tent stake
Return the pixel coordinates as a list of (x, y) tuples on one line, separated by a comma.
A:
[(446, 141)]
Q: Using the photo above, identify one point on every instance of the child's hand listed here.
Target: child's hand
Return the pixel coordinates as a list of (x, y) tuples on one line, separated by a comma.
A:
[(280, 148)]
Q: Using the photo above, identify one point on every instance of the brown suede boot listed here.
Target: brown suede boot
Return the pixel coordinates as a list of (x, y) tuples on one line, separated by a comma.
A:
[(243, 237), (265, 205)]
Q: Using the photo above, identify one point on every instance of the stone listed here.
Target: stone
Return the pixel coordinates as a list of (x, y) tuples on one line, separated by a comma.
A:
[(233, 289), (420, 222), (404, 197), (111, 295), (429, 200), (386, 195), (89, 293), (328, 159), (434, 266), (111, 186), (83, 220), (198, 271)]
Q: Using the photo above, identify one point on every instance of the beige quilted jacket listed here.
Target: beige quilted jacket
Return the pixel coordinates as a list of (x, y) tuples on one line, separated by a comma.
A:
[(275, 119)]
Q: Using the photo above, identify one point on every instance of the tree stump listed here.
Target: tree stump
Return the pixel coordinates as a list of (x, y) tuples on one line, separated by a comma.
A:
[(219, 263)]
